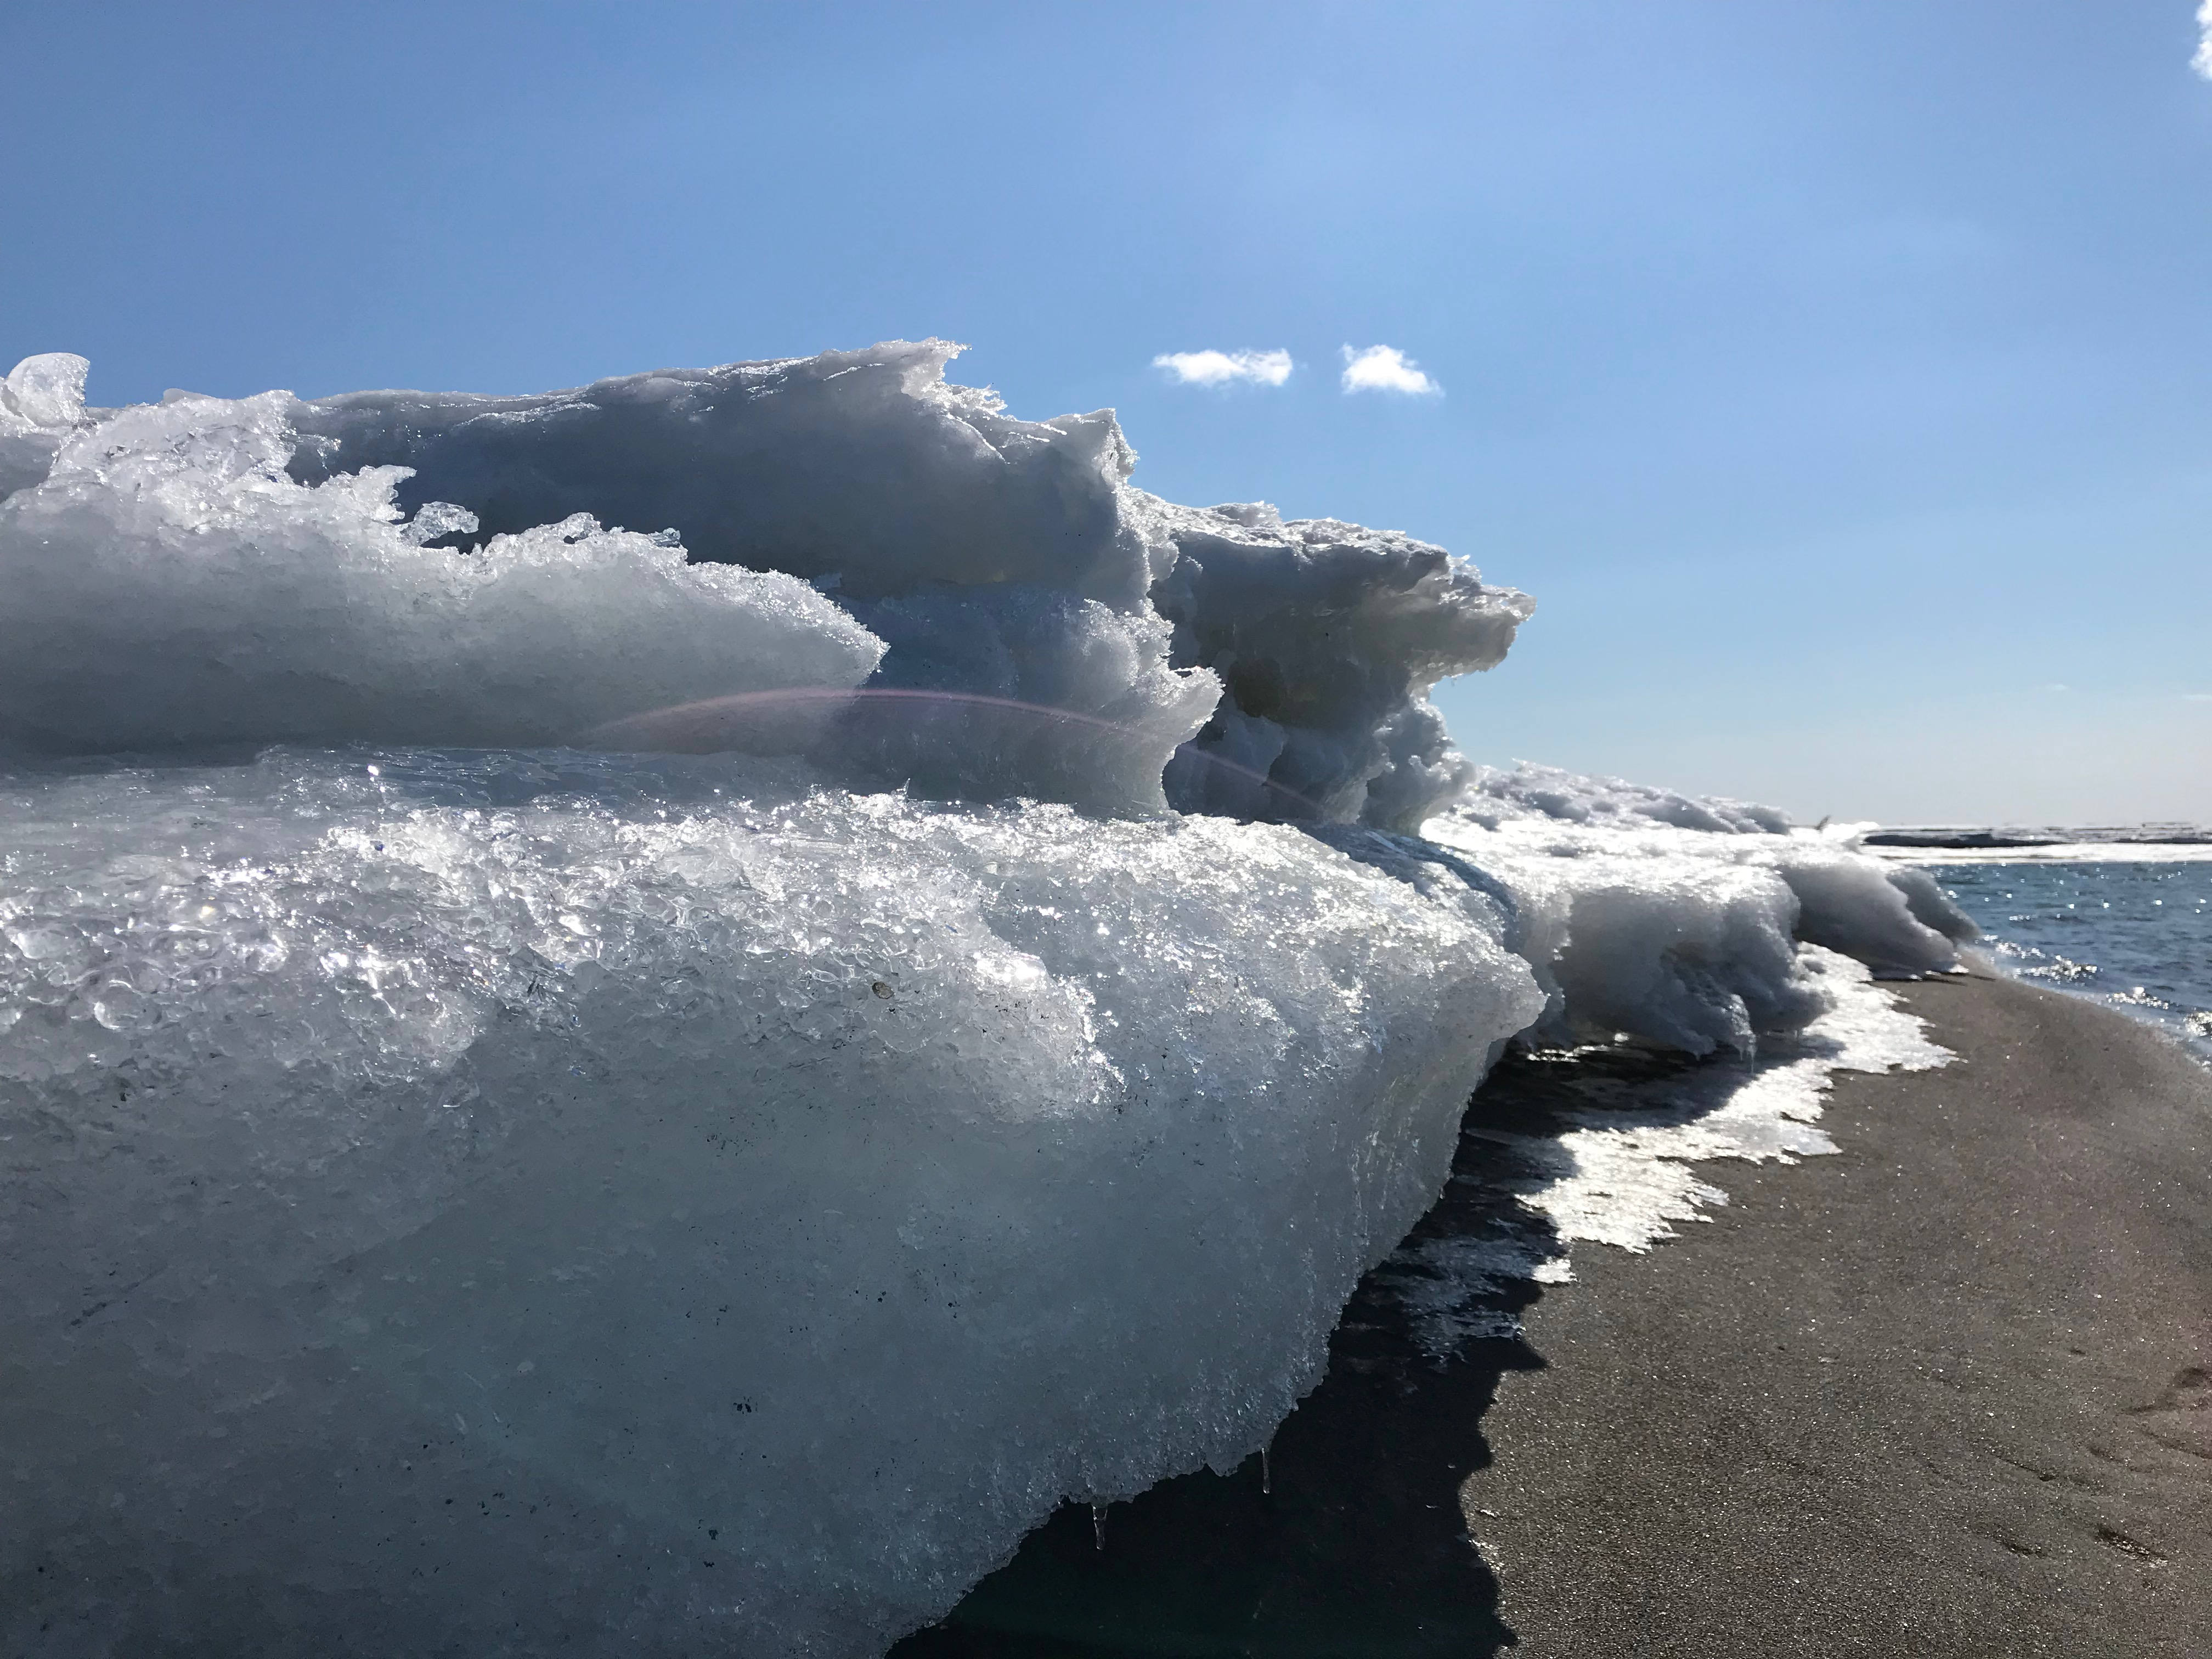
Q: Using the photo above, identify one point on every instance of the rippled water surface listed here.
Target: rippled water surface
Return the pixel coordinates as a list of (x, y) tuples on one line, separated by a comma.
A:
[(2136, 935)]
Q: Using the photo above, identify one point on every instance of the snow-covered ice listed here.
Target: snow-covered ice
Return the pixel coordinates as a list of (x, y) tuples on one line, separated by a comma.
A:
[(652, 1016)]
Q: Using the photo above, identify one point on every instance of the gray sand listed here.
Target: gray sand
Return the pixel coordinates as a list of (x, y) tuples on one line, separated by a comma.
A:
[(1949, 1392)]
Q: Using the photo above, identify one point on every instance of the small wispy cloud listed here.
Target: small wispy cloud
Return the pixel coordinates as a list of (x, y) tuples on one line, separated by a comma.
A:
[(1386, 368), (1226, 368), (2203, 62), (2196, 696)]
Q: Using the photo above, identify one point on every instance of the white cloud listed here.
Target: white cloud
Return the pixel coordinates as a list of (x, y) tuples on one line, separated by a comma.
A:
[(1386, 368), (1221, 368), (2203, 62), (2196, 696)]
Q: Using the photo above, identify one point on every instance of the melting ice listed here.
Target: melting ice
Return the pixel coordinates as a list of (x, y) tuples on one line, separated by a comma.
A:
[(655, 1016)]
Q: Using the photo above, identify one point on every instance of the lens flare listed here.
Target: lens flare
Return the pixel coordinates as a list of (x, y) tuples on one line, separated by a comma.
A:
[(787, 719)]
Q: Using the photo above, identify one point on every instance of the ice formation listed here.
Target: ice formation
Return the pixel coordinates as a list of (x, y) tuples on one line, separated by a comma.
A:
[(1001, 559), (1527, 791), (1676, 921), (651, 1017), (223, 602), (684, 1198), (1327, 637)]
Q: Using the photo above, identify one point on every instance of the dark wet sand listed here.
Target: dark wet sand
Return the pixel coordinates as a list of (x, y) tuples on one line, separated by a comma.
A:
[(1949, 1392)]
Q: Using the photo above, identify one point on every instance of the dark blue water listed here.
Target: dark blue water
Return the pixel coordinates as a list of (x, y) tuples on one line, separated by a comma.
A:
[(2137, 936)]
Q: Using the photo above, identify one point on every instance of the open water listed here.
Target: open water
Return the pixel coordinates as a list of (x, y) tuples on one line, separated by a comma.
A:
[(2135, 934)]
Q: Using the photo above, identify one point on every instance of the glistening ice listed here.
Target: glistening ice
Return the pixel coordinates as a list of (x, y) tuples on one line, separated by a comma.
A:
[(655, 1016)]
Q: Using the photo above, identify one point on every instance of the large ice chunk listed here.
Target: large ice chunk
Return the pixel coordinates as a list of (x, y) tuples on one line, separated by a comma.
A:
[(983, 547), (864, 467), (532, 1202), (610, 564), (1327, 637), (166, 584), (41, 403)]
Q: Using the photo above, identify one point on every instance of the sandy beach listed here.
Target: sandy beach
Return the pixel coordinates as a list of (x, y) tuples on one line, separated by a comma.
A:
[(1947, 1392)]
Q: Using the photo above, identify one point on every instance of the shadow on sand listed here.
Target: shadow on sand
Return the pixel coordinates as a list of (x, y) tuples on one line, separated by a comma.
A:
[(1351, 1539)]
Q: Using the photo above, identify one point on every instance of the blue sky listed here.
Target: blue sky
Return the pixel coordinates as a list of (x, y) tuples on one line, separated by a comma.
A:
[(1834, 373)]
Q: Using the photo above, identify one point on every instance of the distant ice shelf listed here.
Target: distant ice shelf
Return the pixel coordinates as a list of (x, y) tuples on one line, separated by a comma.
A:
[(2174, 843)]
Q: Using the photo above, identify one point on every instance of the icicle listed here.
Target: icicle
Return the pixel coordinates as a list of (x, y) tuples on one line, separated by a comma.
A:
[(1267, 1474), (1098, 1524)]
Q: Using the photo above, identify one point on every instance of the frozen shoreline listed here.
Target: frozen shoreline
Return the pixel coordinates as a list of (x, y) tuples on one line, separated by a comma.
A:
[(1944, 1392)]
